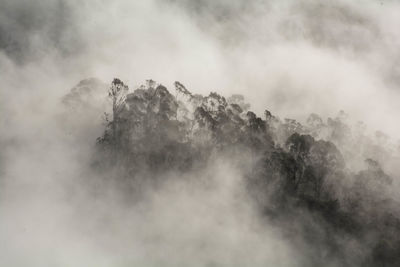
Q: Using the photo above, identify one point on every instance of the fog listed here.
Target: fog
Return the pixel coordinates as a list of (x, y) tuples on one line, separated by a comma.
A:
[(292, 58)]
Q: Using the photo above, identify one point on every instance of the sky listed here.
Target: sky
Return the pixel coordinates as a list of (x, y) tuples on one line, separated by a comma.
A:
[(291, 57)]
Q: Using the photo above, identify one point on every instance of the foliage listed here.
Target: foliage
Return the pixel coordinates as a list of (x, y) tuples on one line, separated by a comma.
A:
[(295, 167)]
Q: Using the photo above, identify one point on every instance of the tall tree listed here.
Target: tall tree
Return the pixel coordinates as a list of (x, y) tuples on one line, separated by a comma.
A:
[(117, 93)]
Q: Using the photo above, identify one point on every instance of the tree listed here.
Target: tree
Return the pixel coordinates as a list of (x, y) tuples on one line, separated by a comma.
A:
[(117, 93), (180, 88)]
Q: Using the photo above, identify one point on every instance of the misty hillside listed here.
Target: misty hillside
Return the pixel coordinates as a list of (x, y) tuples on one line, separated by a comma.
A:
[(278, 147), (303, 179)]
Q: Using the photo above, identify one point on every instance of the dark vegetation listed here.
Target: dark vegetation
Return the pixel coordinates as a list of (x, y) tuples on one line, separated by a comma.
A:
[(298, 175)]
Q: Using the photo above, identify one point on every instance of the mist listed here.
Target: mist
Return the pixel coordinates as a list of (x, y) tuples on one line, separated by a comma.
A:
[(292, 58)]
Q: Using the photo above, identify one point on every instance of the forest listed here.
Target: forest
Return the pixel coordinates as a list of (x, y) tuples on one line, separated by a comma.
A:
[(325, 177)]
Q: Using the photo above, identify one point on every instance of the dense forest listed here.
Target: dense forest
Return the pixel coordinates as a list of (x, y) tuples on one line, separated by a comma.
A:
[(323, 183)]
